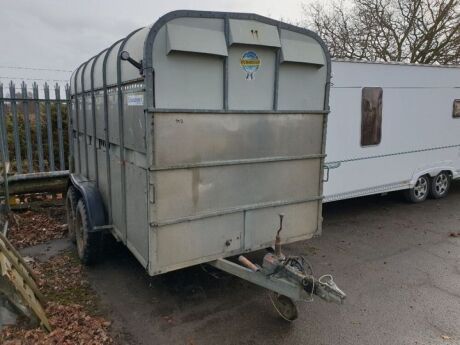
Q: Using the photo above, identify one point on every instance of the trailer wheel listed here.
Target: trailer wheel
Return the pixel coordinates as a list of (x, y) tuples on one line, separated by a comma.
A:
[(285, 306), (71, 205), (440, 185), (420, 191), (89, 243)]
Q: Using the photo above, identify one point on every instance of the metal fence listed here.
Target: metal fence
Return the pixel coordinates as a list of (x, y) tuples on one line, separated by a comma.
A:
[(34, 132)]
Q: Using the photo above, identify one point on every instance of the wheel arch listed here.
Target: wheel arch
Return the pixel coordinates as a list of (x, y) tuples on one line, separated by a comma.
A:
[(431, 172), (89, 193)]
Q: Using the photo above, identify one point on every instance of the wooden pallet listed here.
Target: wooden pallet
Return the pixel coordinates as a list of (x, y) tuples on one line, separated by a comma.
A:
[(17, 283)]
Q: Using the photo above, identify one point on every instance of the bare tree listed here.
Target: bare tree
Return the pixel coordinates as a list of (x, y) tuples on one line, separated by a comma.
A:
[(417, 31)]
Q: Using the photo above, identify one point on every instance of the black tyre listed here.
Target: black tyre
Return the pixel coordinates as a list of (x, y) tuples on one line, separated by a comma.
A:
[(420, 191), (89, 243), (71, 206), (440, 185)]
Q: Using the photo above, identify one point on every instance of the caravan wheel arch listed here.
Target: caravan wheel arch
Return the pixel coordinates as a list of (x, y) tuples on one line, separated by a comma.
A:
[(432, 172)]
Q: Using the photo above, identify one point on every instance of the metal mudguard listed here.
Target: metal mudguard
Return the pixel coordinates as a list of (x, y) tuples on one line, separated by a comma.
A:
[(97, 215)]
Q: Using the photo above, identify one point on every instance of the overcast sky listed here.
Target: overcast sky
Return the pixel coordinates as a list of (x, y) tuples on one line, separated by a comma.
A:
[(60, 34)]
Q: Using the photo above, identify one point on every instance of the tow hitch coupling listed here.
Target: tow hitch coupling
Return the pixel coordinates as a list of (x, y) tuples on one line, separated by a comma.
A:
[(289, 279)]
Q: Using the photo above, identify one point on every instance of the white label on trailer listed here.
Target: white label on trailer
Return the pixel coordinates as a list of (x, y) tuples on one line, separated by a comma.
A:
[(136, 100)]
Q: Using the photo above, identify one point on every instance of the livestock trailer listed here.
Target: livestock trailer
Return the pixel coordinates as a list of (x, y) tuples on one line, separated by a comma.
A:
[(193, 139), (392, 126)]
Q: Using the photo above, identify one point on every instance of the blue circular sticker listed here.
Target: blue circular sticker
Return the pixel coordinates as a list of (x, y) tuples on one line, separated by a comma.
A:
[(250, 63)]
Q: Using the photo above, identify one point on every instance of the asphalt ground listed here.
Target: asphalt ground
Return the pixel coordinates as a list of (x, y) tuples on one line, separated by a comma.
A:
[(397, 263)]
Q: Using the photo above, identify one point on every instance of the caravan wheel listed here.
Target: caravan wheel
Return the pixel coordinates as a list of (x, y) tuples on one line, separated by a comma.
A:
[(440, 185), (420, 191)]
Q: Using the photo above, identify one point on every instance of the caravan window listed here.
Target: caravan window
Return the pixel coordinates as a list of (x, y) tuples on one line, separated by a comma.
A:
[(371, 116), (456, 111)]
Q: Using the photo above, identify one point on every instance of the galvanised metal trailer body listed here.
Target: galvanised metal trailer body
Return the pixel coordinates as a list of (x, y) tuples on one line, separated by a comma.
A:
[(197, 132)]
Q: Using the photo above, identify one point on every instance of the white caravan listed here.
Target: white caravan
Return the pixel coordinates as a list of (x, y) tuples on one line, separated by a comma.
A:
[(392, 127)]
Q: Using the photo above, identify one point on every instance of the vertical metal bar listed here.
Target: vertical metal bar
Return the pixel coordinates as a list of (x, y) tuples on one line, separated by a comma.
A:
[(69, 128), (17, 145), (277, 74), (25, 109), (122, 135), (5, 161), (57, 91), (93, 115), (83, 105), (77, 122), (147, 66), (3, 124), (326, 107), (227, 40), (106, 130), (4, 149), (38, 128), (49, 126)]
